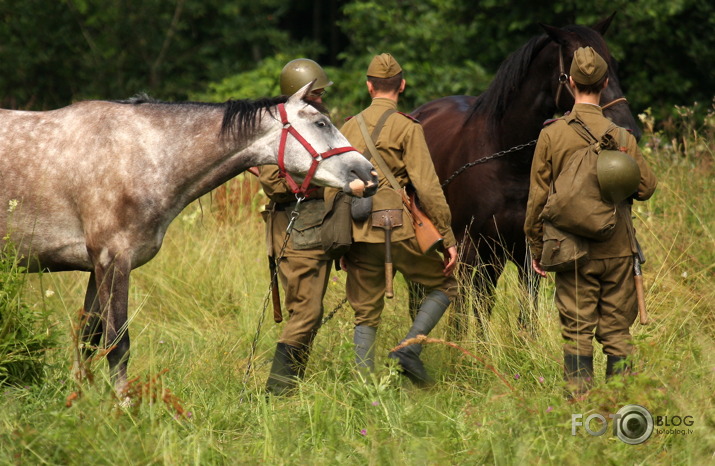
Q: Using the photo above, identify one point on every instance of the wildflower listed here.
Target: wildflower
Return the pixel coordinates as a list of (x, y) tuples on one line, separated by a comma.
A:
[(49, 293), (375, 403), (549, 409), (363, 432), (12, 205), (541, 380), (517, 376)]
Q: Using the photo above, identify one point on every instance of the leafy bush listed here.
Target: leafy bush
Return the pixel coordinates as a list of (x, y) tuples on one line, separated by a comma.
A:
[(24, 335)]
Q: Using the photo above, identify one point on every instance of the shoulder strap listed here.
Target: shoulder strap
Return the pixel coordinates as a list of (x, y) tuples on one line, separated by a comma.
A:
[(582, 130), (370, 143)]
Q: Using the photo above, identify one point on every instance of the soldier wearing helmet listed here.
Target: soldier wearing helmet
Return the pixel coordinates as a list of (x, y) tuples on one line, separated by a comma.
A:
[(597, 299), (301, 71), (304, 268)]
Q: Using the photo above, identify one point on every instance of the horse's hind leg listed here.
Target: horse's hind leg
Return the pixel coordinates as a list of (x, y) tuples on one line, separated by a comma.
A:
[(112, 279)]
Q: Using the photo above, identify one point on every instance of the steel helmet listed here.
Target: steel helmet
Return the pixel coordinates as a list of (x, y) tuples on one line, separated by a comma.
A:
[(301, 71), (618, 175)]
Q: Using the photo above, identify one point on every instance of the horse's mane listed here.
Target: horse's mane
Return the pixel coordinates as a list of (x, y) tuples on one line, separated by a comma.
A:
[(240, 117), (495, 100)]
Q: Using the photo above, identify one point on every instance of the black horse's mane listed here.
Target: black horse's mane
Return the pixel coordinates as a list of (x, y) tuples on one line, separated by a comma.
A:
[(240, 117), (495, 100)]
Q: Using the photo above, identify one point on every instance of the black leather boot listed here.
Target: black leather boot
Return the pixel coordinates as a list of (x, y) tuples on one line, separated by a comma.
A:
[(427, 317), (578, 373), (287, 368), (615, 365)]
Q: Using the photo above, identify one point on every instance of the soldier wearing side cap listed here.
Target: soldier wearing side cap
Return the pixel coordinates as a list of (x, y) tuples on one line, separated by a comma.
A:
[(400, 143), (598, 298), (304, 268)]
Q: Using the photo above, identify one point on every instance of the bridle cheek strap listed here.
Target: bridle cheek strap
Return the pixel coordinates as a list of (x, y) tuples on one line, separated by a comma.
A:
[(317, 157)]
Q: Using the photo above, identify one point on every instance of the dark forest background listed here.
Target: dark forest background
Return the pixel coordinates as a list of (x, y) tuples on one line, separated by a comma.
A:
[(53, 52)]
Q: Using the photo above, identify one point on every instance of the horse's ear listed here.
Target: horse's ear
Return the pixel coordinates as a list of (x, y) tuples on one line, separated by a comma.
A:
[(302, 93), (602, 26), (557, 35)]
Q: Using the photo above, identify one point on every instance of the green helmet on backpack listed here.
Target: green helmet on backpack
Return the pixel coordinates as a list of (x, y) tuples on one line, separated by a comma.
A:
[(299, 72), (618, 175)]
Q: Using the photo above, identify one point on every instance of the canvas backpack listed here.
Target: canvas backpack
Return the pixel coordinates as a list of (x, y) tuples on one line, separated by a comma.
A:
[(575, 204)]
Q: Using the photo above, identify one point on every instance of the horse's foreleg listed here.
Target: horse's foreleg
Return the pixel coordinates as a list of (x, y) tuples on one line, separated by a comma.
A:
[(112, 279), (90, 331), (91, 319)]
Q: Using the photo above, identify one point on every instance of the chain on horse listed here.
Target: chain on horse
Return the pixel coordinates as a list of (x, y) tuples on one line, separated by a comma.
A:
[(496, 155)]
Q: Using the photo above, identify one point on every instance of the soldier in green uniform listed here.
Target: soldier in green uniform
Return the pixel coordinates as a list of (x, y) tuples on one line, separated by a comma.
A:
[(598, 298), (304, 268), (402, 146)]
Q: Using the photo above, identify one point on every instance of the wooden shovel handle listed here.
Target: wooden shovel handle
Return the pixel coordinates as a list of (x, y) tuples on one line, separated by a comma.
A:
[(640, 295), (389, 292)]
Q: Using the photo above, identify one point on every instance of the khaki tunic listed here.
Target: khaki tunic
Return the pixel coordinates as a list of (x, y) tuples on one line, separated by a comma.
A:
[(303, 273), (402, 146), (597, 299)]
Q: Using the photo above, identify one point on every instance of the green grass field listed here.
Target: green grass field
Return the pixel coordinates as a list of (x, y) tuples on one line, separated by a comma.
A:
[(196, 308)]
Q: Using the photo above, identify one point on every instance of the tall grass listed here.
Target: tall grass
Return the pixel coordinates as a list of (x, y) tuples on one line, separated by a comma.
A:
[(195, 312)]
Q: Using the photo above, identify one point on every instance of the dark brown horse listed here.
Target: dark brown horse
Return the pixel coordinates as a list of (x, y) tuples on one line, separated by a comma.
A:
[(488, 200), (94, 186)]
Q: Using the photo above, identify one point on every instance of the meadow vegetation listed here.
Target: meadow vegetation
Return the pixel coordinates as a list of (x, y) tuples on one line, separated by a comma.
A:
[(196, 310)]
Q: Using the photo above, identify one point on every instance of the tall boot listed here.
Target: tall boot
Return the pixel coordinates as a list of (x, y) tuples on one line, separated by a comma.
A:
[(287, 368), (427, 317), (364, 339), (615, 365), (578, 373)]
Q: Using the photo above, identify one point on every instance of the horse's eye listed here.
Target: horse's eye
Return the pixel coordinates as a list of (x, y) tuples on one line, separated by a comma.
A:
[(321, 124)]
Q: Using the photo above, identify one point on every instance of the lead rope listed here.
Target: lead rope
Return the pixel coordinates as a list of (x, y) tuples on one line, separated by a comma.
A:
[(293, 217)]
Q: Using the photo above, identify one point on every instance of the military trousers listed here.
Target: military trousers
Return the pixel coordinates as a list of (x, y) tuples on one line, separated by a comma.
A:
[(365, 284), (303, 274), (597, 300)]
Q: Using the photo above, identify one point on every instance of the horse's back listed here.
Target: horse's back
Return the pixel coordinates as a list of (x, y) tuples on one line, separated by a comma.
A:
[(443, 121)]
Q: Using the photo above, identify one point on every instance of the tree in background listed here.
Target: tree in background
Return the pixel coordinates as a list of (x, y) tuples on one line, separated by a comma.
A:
[(54, 52)]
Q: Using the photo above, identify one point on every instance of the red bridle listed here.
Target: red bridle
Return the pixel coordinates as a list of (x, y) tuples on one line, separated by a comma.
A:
[(317, 157)]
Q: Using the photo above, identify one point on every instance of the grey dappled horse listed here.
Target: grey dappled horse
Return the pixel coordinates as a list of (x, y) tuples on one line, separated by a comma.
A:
[(97, 183)]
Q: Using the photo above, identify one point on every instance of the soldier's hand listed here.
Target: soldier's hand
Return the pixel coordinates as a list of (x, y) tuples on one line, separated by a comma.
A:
[(536, 265), (450, 260)]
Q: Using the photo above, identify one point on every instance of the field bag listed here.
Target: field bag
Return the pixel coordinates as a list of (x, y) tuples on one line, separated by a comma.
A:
[(337, 229), (575, 204), (307, 229), (562, 251)]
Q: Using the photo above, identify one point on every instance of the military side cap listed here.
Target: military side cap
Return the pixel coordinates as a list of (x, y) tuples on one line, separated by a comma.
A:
[(587, 66), (383, 66)]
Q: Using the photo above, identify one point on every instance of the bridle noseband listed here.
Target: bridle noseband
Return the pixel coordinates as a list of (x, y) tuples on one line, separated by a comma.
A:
[(564, 83), (317, 157)]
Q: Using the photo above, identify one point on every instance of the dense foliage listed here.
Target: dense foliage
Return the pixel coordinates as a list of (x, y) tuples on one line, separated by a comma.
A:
[(56, 52), (24, 333)]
